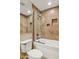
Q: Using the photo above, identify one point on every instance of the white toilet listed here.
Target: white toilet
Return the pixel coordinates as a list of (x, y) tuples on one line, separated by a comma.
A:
[(35, 54), (26, 46)]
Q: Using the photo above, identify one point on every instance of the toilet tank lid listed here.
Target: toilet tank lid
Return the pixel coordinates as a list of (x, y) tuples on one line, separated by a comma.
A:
[(35, 53), (26, 41)]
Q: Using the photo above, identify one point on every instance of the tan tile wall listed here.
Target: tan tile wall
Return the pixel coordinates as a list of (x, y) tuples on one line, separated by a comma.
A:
[(52, 31), (25, 26), (36, 21)]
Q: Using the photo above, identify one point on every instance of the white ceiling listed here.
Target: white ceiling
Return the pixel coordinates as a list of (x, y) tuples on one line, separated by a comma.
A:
[(26, 5), (43, 4)]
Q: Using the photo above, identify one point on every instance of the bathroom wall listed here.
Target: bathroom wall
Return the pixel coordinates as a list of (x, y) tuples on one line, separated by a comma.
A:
[(37, 21), (25, 27), (23, 24), (41, 20), (50, 31)]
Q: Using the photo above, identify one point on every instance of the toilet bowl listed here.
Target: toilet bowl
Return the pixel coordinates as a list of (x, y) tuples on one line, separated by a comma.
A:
[(35, 54), (26, 46)]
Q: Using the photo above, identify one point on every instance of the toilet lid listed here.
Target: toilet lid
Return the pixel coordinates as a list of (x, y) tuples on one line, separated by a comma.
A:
[(35, 53)]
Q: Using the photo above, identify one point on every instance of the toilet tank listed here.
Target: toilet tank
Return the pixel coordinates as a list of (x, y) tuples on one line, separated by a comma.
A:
[(26, 45)]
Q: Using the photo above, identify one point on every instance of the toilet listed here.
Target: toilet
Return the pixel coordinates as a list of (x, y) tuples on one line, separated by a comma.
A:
[(26, 46), (35, 54)]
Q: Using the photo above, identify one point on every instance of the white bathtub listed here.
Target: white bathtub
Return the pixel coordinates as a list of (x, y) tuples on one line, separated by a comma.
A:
[(50, 48)]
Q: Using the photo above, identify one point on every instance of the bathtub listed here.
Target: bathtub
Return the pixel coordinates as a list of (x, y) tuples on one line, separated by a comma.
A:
[(50, 48)]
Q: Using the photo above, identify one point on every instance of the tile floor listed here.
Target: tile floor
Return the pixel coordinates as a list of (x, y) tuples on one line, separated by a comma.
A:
[(23, 56)]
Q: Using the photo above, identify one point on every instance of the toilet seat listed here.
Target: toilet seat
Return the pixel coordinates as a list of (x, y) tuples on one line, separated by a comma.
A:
[(35, 53)]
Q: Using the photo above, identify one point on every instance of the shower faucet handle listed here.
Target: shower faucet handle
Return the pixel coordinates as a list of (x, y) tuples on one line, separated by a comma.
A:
[(38, 37)]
